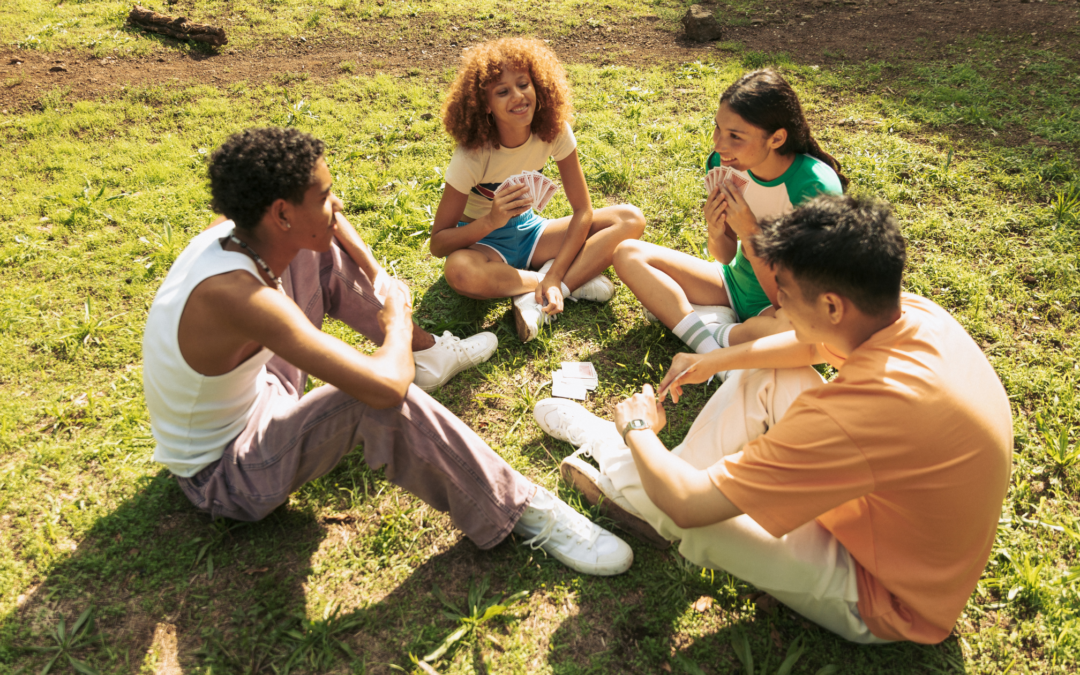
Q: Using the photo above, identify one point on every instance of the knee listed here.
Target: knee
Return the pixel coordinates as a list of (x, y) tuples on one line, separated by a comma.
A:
[(460, 276), (631, 220), (628, 254)]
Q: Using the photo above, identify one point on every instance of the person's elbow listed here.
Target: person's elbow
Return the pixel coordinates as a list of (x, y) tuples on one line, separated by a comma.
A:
[(438, 249)]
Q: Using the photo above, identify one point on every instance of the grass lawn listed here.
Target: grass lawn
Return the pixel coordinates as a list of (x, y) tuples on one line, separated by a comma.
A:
[(97, 197)]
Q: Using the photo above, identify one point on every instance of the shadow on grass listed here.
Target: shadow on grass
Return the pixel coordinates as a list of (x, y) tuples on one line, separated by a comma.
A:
[(176, 592)]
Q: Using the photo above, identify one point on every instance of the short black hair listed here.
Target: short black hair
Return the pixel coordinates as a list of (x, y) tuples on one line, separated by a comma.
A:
[(255, 167), (846, 245)]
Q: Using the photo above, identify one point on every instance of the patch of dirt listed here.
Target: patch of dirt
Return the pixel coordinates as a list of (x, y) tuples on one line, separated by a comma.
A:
[(811, 31)]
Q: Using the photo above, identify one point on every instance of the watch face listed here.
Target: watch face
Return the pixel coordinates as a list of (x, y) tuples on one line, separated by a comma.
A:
[(638, 424)]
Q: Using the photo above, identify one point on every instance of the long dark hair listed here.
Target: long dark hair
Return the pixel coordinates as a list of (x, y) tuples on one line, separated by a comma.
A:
[(765, 99)]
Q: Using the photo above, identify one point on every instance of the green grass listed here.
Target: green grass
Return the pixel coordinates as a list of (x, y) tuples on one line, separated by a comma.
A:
[(100, 196), (100, 26)]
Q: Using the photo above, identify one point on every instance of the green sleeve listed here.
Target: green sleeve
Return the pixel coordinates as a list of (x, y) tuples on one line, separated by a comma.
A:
[(712, 162), (813, 178)]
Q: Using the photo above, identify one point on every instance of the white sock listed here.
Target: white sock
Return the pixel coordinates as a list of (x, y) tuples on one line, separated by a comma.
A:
[(724, 334), (694, 333)]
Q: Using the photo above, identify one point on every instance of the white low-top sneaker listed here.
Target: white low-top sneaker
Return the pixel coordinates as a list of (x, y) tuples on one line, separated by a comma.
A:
[(597, 289), (451, 355), (528, 317), (569, 421), (717, 314), (571, 538)]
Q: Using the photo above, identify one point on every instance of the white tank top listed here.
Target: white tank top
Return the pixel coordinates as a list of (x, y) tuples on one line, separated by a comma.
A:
[(193, 416)]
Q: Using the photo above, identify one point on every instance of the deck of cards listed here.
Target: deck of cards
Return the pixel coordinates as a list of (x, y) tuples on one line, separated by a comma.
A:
[(574, 380), (538, 188), (719, 175)]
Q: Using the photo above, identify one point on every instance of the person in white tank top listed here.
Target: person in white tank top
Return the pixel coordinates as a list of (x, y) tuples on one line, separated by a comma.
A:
[(234, 332)]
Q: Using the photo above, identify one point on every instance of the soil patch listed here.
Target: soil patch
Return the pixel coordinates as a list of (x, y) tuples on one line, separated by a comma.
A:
[(812, 31)]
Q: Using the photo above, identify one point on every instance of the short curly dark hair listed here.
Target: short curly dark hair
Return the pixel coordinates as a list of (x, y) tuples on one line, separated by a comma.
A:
[(253, 168), (846, 245)]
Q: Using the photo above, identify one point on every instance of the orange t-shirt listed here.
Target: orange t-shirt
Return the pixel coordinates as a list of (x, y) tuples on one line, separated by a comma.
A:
[(904, 457)]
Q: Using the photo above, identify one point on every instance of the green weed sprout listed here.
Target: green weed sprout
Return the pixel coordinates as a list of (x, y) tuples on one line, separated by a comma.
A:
[(479, 612), (68, 641)]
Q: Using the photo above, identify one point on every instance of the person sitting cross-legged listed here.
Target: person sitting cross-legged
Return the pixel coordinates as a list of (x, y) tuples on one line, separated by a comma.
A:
[(867, 504), (234, 331)]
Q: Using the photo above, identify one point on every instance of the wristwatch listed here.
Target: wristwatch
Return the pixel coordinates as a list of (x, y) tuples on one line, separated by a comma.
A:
[(634, 425)]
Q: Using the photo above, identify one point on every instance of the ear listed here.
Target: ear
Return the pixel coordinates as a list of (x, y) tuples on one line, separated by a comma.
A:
[(279, 214), (833, 306), (778, 138)]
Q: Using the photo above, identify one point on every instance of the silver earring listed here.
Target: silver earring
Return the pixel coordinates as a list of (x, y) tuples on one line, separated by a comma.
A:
[(287, 225)]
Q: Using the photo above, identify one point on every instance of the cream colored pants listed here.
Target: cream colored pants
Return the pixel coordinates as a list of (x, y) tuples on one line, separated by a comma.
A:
[(808, 569)]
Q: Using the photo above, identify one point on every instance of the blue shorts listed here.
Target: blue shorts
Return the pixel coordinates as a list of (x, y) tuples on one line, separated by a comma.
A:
[(516, 241)]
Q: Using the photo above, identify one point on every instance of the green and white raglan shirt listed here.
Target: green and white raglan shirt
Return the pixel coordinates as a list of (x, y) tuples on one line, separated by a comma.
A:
[(806, 178)]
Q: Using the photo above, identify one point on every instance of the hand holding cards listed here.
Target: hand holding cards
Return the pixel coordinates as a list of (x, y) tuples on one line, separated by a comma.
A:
[(720, 175), (539, 189), (574, 380)]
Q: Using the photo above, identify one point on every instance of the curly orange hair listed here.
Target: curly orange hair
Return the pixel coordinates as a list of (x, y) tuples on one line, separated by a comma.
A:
[(465, 109)]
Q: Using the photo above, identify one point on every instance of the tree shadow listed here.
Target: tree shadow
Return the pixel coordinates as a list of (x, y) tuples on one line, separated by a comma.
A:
[(173, 591)]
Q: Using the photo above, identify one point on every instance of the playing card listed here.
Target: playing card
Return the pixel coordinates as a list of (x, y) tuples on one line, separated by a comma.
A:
[(714, 178), (567, 388), (738, 181), (580, 369)]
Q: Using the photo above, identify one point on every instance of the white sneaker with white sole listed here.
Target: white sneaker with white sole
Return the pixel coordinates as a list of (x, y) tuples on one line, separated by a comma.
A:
[(571, 538), (569, 421), (449, 356), (597, 289)]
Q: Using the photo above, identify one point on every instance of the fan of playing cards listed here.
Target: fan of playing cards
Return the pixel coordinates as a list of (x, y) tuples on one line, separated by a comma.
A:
[(719, 175), (538, 188), (574, 380)]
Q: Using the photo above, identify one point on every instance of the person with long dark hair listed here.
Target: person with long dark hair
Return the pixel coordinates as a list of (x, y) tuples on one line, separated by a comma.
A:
[(761, 134)]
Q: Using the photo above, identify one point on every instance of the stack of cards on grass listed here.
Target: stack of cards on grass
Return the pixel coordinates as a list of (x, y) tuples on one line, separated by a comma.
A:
[(538, 188), (719, 175), (574, 380)]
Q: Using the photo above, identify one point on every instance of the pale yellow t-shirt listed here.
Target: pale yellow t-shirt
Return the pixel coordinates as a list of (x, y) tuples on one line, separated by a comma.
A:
[(478, 173), (904, 457)]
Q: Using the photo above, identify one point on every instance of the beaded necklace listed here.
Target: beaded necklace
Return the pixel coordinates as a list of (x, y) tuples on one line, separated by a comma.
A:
[(258, 260)]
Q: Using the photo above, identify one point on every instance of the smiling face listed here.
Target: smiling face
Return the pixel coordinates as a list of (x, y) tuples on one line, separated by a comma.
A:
[(511, 100), (312, 220), (742, 145)]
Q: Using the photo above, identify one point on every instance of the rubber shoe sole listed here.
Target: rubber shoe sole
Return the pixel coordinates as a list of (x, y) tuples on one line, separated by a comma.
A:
[(587, 484)]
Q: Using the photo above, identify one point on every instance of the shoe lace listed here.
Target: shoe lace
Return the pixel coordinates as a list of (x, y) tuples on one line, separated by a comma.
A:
[(453, 342), (577, 525)]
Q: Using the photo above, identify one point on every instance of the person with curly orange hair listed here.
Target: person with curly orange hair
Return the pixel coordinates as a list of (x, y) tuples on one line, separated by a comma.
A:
[(509, 110)]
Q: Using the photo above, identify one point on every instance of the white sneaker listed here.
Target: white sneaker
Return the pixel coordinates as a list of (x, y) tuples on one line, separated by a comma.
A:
[(451, 355), (599, 491), (528, 317), (715, 314), (571, 538), (597, 289), (569, 421)]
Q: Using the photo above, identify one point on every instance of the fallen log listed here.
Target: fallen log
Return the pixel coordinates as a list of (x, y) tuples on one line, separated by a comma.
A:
[(176, 27)]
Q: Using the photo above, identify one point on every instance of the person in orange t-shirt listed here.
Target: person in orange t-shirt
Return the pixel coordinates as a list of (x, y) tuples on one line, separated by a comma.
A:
[(868, 504)]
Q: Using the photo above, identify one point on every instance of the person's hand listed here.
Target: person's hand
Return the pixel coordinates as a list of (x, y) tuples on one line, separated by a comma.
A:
[(396, 312), (716, 214), (343, 229), (382, 284), (511, 202), (739, 217), (549, 295), (685, 369), (643, 406)]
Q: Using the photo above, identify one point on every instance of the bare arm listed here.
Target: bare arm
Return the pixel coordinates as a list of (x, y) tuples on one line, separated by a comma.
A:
[(782, 350), (577, 193), (245, 313), (447, 237), (742, 220), (722, 242), (687, 495), (355, 246)]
